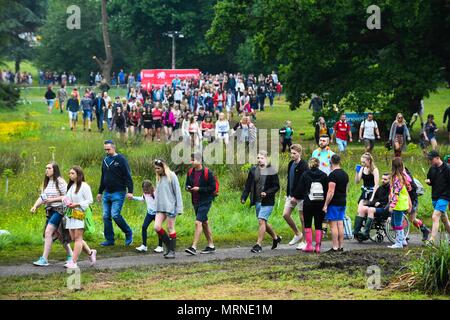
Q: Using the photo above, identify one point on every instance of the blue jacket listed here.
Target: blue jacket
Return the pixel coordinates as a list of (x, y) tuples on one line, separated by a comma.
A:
[(73, 105), (116, 175)]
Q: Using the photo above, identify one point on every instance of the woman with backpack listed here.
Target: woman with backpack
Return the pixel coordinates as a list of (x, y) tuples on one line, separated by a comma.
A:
[(169, 204), (53, 191), (313, 187)]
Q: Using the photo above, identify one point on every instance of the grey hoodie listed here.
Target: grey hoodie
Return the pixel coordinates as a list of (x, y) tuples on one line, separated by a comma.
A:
[(169, 195)]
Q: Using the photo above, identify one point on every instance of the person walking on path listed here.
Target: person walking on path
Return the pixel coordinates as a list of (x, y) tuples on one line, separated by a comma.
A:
[(50, 98), (262, 185), (201, 183), (53, 191), (73, 107), (342, 133), (430, 130), (313, 188), (114, 183), (86, 106), (100, 105), (368, 131), (169, 204), (149, 197), (62, 96), (78, 199), (399, 201), (438, 177), (447, 119), (296, 167), (286, 134), (398, 135), (321, 129), (370, 176), (335, 203)]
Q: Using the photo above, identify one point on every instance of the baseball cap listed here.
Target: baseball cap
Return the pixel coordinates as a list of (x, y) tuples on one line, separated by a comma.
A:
[(433, 154)]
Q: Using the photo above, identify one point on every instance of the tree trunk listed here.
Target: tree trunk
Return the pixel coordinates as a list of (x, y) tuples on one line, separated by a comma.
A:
[(105, 65), (17, 64)]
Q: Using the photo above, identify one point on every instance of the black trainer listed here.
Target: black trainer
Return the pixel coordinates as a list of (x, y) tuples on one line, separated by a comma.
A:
[(191, 251), (425, 233), (340, 249), (275, 242), (208, 249), (332, 250), (256, 248)]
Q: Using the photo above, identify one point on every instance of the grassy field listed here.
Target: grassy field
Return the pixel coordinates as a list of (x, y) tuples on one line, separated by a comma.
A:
[(29, 136)]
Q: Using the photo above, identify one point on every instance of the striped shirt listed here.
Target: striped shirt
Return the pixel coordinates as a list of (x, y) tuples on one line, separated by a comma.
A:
[(52, 192)]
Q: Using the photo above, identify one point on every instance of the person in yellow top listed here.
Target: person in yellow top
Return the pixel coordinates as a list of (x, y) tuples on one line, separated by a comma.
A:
[(399, 200)]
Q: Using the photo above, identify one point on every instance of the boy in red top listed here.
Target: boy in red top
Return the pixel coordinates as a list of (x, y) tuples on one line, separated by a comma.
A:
[(341, 131)]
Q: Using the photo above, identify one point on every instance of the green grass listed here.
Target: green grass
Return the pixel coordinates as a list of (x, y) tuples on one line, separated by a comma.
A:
[(232, 223), (288, 278)]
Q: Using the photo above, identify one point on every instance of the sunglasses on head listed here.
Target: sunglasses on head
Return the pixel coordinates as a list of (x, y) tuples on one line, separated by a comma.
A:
[(158, 162)]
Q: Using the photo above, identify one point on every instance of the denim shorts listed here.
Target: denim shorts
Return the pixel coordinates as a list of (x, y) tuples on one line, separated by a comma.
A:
[(201, 212), (169, 214), (440, 205), (397, 220), (335, 213), (263, 212), (54, 219), (87, 114), (73, 116)]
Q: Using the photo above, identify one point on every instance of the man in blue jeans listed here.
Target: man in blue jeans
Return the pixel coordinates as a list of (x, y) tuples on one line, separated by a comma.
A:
[(200, 182), (115, 180), (262, 185)]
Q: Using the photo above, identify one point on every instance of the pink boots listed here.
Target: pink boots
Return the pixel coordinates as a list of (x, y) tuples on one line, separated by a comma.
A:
[(319, 235), (308, 238)]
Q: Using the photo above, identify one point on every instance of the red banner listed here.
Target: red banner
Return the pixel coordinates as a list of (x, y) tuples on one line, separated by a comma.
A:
[(159, 77)]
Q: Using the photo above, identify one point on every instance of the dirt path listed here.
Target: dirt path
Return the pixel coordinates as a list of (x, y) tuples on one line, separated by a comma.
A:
[(182, 257)]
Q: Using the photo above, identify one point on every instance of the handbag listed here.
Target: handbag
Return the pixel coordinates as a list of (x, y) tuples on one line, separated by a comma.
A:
[(89, 224)]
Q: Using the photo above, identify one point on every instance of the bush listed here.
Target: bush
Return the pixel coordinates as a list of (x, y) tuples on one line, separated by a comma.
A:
[(10, 160), (9, 95)]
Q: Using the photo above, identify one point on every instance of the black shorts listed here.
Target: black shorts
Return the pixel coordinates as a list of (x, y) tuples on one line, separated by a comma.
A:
[(148, 125), (201, 212), (157, 124)]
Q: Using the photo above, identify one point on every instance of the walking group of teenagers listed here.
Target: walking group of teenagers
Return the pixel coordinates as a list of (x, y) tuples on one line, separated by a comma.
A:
[(318, 188)]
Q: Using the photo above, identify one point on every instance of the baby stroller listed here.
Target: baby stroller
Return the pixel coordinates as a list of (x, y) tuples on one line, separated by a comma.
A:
[(381, 228)]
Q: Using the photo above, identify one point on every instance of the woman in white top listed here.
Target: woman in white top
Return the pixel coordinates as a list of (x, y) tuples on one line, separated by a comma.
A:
[(53, 191), (195, 133), (78, 198), (222, 128)]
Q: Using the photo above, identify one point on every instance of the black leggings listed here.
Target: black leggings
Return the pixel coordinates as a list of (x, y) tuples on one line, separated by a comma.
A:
[(148, 219), (313, 210), (288, 143)]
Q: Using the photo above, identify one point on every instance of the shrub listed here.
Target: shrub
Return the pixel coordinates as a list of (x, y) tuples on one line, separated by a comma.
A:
[(9, 95), (10, 160)]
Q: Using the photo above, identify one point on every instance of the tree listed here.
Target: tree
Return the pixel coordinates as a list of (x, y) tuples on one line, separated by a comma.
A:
[(18, 21), (325, 47), (105, 65), (142, 24), (71, 50)]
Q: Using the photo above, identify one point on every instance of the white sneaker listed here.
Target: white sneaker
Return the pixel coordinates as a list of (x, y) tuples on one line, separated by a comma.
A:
[(159, 249), (301, 245), (142, 248), (295, 240), (71, 265), (396, 246)]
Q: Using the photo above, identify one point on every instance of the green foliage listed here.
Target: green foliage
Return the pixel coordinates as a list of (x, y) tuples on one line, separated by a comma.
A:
[(10, 161), (68, 50), (325, 47), (433, 269), (9, 95)]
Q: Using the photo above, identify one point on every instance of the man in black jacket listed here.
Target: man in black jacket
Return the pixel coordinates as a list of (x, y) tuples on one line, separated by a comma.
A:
[(376, 207), (297, 166), (99, 105), (200, 182), (114, 183), (262, 185)]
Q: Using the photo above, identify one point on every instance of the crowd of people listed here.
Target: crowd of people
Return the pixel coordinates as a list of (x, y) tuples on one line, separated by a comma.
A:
[(18, 78), (198, 109), (317, 187)]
